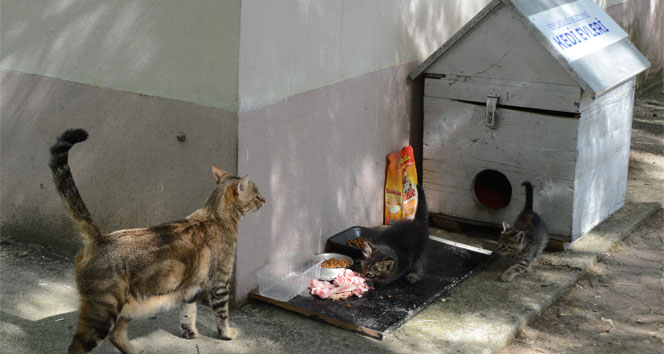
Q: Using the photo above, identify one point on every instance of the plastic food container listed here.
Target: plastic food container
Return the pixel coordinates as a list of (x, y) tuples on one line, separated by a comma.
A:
[(286, 277)]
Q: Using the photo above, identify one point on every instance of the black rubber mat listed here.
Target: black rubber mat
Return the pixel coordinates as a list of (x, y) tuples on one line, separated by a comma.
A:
[(384, 309)]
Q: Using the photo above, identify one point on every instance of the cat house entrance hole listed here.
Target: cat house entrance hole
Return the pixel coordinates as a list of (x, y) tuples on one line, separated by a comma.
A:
[(492, 189)]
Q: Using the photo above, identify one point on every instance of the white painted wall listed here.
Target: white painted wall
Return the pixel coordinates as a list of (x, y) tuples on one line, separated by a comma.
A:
[(166, 48), (290, 46)]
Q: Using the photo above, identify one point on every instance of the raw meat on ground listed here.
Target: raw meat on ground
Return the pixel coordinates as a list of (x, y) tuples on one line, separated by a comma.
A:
[(344, 286)]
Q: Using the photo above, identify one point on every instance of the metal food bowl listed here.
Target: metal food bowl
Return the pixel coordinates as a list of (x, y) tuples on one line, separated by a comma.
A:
[(331, 273)]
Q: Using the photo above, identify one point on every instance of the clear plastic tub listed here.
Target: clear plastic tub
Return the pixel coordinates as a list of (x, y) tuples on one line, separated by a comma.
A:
[(286, 277)]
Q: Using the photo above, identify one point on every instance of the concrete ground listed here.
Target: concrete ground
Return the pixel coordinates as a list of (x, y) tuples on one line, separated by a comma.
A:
[(38, 303)]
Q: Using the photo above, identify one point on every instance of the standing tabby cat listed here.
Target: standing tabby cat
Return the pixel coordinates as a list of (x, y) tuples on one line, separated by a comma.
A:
[(527, 238), (399, 250), (132, 273)]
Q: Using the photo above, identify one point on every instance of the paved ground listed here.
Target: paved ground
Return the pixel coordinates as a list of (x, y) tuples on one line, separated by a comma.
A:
[(617, 307), (38, 300)]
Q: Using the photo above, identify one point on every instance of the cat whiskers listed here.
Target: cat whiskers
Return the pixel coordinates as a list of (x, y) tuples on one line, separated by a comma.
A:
[(253, 204)]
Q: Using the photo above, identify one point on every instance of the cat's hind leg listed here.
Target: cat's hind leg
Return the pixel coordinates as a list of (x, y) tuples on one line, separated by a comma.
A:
[(417, 270), (120, 340), (94, 323), (219, 297), (188, 320)]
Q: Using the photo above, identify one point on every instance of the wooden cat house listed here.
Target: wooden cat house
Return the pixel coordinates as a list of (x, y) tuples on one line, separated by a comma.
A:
[(530, 90)]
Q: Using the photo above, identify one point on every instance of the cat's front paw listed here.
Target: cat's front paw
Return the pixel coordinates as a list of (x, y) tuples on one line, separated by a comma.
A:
[(188, 332), (413, 278), (507, 276), (228, 333)]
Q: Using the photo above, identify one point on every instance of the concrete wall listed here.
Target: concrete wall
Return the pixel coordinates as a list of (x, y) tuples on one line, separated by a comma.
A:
[(165, 48), (131, 172), (134, 74), (289, 47)]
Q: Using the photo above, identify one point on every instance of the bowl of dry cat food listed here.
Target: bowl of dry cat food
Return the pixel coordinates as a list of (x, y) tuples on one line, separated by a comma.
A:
[(333, 264), (350, 241)]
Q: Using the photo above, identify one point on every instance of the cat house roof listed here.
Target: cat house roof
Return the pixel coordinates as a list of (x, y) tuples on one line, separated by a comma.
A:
[(578, 34)]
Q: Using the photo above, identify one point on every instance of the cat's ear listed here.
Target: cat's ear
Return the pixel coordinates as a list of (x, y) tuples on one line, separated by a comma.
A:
[(386, 265), (520, 236), (242, 185), (367, 251), (218, 173), (505, 226)]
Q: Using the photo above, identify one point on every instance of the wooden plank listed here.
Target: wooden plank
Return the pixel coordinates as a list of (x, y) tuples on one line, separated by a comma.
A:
[(611, 112), (545, 96), (502, 47), (446, 120), (318, 316), (627, 88), (602, 167), (601, 182), (525, 146), (553, 201)]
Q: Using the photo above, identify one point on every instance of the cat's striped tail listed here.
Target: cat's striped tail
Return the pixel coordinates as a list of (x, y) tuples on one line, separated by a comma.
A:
[(64, 183)]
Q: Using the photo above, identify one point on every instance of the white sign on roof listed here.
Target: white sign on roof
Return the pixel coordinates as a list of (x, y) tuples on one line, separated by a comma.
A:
[(578, 28)]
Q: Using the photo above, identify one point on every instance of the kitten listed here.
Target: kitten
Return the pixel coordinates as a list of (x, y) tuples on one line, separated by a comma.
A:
[(398, 250), (132, 273), (527, 238)]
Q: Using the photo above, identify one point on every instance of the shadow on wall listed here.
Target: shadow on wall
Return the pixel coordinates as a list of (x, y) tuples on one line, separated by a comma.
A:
[(77, 24), (132, 171), (163, 49), (427, 28)]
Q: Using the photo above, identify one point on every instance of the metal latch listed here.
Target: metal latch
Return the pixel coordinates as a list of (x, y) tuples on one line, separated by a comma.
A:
[(490, 118)]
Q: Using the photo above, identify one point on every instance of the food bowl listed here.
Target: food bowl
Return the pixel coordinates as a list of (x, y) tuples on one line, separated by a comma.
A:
[(331, 273), (339, 242)]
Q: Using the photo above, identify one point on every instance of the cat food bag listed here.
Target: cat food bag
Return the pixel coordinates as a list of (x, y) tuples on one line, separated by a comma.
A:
[(400, 186)]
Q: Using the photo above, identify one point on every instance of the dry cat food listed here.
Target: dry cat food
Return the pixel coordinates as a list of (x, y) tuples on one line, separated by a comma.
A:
[(358, 242), (335, 263)]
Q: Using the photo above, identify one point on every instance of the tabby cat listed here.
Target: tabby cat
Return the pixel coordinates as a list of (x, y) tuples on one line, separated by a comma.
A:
[(132, 273), (399, 250), (526, 239)]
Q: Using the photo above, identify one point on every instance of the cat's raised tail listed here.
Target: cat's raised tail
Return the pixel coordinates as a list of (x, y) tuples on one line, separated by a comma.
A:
[(529, 196), (422, 213), (64, 183)]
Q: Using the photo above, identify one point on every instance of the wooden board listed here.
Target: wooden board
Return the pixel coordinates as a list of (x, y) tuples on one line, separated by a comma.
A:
[(502, 47), (524, 146), (603, 158), (383, 310), (531, 95)]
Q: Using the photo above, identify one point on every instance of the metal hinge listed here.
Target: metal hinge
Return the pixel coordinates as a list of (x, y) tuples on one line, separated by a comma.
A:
[(491, 103)]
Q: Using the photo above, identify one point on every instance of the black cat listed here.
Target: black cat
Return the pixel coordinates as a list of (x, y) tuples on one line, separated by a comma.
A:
[(399, 249)]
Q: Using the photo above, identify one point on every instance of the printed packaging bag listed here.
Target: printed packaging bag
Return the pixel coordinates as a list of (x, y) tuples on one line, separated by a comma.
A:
[(400, 186)]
